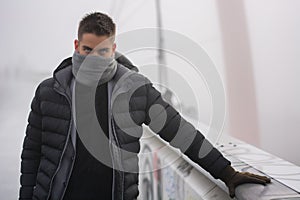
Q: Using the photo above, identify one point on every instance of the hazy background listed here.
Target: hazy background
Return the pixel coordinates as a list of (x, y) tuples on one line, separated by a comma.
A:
[(254, 44)]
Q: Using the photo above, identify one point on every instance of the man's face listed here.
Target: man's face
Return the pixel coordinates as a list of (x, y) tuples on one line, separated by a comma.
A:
[(95, 45)]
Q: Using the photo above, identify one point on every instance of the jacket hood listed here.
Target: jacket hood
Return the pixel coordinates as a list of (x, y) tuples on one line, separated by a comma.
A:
[(123, 60)]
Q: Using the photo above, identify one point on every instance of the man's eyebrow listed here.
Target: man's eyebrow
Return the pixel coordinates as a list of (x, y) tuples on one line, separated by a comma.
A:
[(87, 47), (104, 48)]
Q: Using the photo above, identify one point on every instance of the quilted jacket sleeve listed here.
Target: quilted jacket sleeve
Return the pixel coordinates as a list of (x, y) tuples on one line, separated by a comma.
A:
[(31, 153), (164, 120)]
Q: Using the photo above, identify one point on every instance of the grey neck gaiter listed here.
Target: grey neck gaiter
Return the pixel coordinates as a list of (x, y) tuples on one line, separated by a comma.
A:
[(92, 70)]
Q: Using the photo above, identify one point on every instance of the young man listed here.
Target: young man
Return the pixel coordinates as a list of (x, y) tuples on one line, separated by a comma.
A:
[(60, 159)]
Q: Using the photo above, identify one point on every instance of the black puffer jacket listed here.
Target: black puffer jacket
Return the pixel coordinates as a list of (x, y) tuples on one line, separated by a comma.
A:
[(48, 132)]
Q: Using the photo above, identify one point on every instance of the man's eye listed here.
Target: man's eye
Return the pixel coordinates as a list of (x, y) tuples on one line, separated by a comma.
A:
[(103, 51), (86, 50)]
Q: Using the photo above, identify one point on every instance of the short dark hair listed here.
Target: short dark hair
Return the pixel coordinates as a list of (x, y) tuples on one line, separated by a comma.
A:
[(98, 24)]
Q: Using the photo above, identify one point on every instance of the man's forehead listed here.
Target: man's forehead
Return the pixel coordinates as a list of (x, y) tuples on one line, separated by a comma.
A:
[(92, 40)]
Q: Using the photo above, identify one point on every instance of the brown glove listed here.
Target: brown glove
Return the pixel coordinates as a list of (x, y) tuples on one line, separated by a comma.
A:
[(234, 178)]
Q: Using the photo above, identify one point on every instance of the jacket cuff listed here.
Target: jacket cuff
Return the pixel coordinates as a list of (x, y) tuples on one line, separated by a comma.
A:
[(227, 174)]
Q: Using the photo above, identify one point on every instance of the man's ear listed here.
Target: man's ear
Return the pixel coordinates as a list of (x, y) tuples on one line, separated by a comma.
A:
[(76, 45), (114, 47)]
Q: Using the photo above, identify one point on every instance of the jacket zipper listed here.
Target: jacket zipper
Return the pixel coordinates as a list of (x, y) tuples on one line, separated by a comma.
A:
[(112, 161), (65, 147), (120, 162), (68, 178)]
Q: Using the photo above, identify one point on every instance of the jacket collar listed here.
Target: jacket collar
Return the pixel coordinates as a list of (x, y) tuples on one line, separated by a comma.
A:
[(63, 77)]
